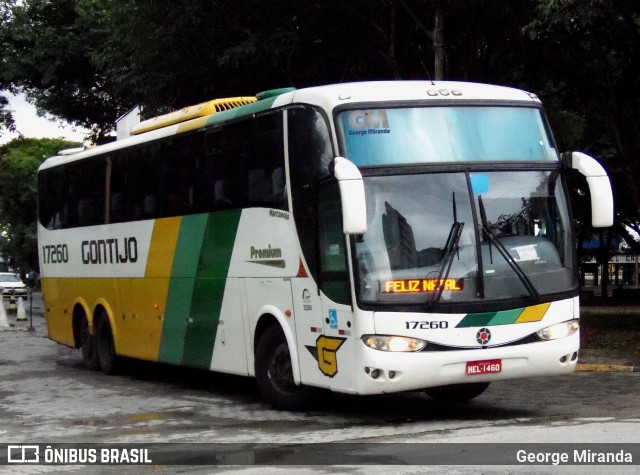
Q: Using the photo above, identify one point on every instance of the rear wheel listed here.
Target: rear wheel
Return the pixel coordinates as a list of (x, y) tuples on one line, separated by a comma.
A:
[(457, 392), (274, 373), (88, 346), (106, 348)]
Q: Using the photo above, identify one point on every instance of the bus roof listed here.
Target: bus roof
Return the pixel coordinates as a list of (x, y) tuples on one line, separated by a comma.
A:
[(327, 97), (335, 95)]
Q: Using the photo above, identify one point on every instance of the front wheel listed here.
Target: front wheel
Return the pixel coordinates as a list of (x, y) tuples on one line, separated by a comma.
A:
[(457, 392), (274, 373)]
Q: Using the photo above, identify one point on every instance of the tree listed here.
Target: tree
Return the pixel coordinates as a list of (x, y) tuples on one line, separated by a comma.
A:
[(19, 162), (585, 60), (6, 118), (88, 61)]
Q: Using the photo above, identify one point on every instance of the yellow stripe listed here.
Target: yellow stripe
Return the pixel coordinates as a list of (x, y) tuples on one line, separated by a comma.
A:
[(162, 248), (193, 124), (146, 316), (533, 314)]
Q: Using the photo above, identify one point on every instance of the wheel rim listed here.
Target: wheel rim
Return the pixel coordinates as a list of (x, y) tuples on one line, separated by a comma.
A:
[(280, 371)]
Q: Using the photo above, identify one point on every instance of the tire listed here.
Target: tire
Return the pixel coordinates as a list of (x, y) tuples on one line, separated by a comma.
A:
[(105, 347), (88, 346), (274, 373), (457, 392)]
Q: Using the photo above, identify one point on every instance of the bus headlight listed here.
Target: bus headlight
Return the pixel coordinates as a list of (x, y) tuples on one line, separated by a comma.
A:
[(560, 330), (393, 343)]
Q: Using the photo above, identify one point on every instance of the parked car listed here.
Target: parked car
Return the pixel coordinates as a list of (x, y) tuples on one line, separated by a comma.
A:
[(11, 284)]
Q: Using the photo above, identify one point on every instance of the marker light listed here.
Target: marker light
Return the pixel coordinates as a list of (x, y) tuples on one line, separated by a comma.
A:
[(393, 343), (560, 330)]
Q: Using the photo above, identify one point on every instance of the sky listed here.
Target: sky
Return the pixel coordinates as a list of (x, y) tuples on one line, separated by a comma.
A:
[(30, 125)]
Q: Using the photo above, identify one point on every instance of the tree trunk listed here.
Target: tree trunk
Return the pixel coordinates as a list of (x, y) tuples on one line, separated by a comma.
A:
[(438, 45)]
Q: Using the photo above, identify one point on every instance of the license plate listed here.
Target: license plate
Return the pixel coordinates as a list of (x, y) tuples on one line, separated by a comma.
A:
[(484, 367)]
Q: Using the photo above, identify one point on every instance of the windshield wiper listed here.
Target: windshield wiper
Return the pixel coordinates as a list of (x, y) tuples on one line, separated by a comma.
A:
[(450, 249), (486, 228)]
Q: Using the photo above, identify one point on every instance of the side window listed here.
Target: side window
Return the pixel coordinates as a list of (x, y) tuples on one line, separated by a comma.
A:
[(158, 179), (51, 198), (74, 195), (176, 161), (251, 165), (334, 276), (134, 183), (310, 153), (85, 191), (231, 166)]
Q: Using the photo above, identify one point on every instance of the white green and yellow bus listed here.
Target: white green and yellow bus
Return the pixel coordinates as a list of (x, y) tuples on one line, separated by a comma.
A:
[(365, 238)]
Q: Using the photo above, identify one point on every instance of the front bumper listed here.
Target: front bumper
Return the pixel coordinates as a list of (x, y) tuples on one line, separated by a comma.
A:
[(421, 370)]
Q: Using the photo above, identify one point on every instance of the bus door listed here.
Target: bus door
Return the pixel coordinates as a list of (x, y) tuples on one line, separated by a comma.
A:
[(309, 326), (334, 349)]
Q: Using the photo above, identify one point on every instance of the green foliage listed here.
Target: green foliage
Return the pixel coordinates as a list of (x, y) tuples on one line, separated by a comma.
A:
[(6, 118), (46, 53), (19, 162), (584, 60)]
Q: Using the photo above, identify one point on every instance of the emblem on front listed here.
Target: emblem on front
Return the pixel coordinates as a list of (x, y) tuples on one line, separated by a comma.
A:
[(483, 336)]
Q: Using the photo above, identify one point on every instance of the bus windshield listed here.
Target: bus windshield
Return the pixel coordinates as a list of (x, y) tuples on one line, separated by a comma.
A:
[(467, 236), (445, 134)]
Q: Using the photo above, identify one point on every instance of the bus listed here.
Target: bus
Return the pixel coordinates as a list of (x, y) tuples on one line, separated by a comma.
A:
[(364, 238)]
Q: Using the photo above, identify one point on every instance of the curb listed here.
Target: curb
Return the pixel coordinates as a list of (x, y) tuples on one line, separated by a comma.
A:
[(605, 368)]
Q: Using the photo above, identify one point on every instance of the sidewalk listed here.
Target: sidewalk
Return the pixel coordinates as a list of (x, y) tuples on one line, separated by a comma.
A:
[(610, 338), (34, 314), (604, 361)]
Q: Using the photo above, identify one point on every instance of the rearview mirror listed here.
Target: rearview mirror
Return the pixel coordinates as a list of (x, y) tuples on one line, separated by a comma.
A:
[(354, 206), (599, 187)]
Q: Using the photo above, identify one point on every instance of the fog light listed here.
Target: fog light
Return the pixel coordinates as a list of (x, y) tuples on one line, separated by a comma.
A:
[(375, 374), (392, 374), (560, 330)]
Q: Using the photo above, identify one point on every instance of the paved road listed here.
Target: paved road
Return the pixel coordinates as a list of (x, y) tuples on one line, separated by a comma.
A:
[(47, 396)]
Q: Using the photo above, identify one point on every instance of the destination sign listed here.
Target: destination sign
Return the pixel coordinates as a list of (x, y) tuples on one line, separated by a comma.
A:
[(408, 286)]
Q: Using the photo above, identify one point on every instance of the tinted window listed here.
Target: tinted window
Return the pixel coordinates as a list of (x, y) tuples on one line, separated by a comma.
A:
[(310, 153), (74, 195), (235, 165)]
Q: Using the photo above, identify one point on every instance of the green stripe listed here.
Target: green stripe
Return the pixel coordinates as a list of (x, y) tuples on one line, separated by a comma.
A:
[(213, 268), (476, 320), (504, 317), (181, 287)]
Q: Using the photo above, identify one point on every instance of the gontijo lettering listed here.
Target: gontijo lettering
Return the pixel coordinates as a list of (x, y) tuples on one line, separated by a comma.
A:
[(110, 251)]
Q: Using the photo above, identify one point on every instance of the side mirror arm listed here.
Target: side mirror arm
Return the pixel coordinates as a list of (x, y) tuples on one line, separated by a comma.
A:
[(599, 186)]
